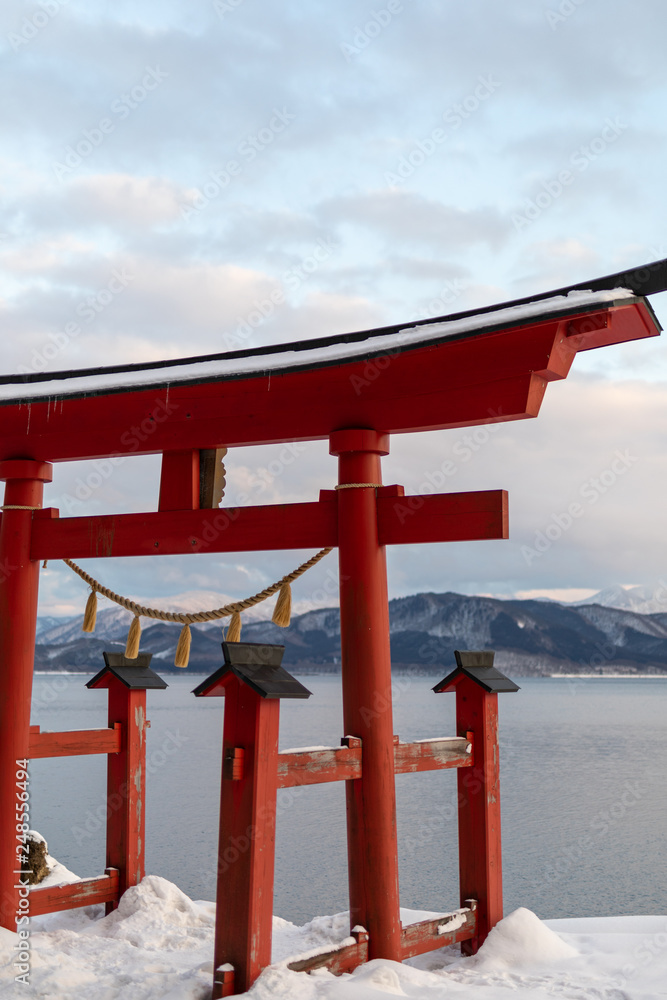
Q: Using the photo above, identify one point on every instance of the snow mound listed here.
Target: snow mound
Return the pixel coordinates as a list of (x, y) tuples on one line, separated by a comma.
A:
[(379, 975), (520, 940), (58, 874), (156, 915)]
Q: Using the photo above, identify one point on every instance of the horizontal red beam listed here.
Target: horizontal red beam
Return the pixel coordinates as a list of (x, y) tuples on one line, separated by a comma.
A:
[(498, 375), (427, 935), (77, 742), (432, 755), (344, 958), (440, 932), (177, 532), (102, 889), (313, 767), (443, 517)]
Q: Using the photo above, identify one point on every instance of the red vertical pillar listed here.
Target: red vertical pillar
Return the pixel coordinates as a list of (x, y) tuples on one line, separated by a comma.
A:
[(480, 855), (246, 846), (126, 786), (367, 708), (19, 580)]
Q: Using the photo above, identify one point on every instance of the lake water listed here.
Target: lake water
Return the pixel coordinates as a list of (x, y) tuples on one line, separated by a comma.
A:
[(583, 794)]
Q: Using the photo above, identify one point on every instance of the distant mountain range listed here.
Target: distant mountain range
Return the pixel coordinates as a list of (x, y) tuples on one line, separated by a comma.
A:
[(531, 638), (643, 600)]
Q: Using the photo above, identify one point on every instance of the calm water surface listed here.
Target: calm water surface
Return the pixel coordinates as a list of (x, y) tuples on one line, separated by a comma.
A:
[(583, 783)]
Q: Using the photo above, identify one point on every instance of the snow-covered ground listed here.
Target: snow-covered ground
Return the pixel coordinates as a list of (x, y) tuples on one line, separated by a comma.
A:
[(158, 946)]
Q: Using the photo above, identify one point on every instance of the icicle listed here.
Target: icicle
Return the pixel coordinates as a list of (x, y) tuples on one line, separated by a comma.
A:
[(90, 614), (283, 608), (234, 630), (183, 648), (133, 639)]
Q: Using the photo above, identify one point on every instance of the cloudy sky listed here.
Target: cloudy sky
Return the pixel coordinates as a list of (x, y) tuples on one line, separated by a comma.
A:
[(166, 165)]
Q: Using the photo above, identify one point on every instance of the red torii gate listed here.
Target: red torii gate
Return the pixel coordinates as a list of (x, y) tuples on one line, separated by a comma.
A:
[(356, 390)]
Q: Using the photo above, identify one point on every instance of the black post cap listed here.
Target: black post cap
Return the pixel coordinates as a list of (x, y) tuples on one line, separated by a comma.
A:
[(478, 666), (257, 664), (135, 673)]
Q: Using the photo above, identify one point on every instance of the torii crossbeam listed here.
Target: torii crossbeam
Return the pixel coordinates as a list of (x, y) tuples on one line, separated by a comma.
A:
[(356, 390)]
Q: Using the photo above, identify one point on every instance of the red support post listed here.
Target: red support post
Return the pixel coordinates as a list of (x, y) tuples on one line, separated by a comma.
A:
[(367, 707), (126, 786), (19, 581), (480, 854), (179, 480), (246, 846)]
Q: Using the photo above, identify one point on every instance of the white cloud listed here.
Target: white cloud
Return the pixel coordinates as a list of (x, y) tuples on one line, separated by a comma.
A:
[(399, 253)]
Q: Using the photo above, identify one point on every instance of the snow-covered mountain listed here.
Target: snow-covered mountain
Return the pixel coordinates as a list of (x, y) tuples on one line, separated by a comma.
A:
[(644, 600), (530, 637), (113, 621)]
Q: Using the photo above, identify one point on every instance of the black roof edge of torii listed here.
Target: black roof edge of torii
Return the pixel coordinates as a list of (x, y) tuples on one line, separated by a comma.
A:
[(647, 279)]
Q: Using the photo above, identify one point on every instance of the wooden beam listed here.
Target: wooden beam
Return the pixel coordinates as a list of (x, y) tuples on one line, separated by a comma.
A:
[(102, 889), (74, 743), (492, 376), (313, 767), (442, 517), (176, 532), (432, 755), (446, 517), (179, 480), (346, 957), (440, 932), (427, 935)]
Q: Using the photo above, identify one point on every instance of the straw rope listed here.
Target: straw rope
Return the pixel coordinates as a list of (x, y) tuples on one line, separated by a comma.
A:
[(199, 616), (357, 486), (18, 506)]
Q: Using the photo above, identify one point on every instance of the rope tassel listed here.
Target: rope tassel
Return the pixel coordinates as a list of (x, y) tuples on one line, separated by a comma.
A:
[(283, 609), (90, 614), (133, 639), (281, 613), (234, 630), (183, 648)]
